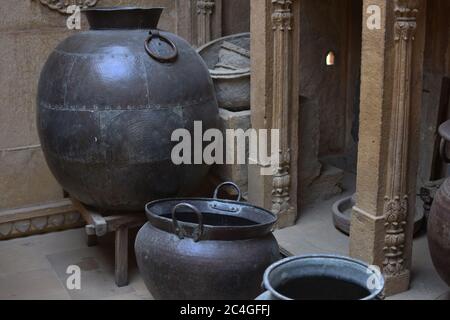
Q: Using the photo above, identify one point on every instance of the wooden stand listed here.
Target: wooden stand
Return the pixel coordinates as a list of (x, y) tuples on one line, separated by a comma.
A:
[(99, 225)]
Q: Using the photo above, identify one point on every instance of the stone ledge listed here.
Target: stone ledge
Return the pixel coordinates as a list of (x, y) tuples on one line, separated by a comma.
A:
[(327, 185), (236, 173)]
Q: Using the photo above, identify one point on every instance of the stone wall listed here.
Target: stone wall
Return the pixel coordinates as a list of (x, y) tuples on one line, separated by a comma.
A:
[(436, 93), (235, 16), (28, 33)]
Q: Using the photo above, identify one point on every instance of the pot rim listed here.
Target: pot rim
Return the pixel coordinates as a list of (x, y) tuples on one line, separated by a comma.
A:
[(235, 74), (268, 286), (124, 8), (232, 74), (123, 18), (211, 232), (210, 44)]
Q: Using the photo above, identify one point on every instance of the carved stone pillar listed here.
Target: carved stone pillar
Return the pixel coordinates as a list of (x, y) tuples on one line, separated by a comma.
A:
[(62, 5), (396, 201), (282, 98), (382, 223), (275, 101), (205, 9), (186, 20), (199, 21)]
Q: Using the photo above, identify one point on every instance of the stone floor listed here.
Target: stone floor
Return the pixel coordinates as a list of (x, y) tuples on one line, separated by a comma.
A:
[(35, 267)]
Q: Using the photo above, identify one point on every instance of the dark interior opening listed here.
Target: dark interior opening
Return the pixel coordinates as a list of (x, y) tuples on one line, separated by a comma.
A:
[(322, 288)]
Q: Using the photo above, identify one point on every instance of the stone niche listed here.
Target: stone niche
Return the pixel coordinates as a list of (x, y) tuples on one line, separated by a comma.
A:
[(330, 60)]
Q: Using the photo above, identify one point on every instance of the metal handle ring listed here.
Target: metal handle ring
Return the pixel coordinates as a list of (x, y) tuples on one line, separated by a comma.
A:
[(157, 34), (443, 151), (231, 184), (180, 232)]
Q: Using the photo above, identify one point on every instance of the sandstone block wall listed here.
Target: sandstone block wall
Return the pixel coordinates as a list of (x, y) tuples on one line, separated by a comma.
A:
[(28, 33)]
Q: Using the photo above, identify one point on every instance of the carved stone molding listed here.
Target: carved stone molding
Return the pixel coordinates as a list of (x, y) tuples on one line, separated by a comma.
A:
[(282, 97), (282, 15), (39, 219), (205, 9), (62, 5), (396, 214), (406, 9), (396, 210)]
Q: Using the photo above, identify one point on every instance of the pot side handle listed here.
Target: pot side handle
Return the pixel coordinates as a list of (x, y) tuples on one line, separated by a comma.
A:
[(179, 231), (231, 184)]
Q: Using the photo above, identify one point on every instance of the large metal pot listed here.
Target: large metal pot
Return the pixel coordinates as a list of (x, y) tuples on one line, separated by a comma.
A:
[(205, 249), (439, 219), (228, 60), (322, 277), (108, 102)]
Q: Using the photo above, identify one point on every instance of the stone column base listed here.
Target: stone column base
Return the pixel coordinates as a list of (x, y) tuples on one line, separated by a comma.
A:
[(367, 244), (260, 194), (397, 284)]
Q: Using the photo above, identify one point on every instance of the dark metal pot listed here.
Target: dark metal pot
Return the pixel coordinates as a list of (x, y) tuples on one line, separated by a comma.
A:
[(322, 277), (228, 60), (108, 102), (205, 249), (439, 219)]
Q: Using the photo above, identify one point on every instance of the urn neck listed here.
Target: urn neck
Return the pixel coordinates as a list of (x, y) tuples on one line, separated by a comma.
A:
[(125, 18)]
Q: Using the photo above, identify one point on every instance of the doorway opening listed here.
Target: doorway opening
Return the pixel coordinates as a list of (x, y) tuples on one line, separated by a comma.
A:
[(329, 103)]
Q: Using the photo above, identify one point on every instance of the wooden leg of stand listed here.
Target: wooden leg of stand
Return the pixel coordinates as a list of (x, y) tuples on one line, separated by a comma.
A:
[(92, 240), (122, 256)]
